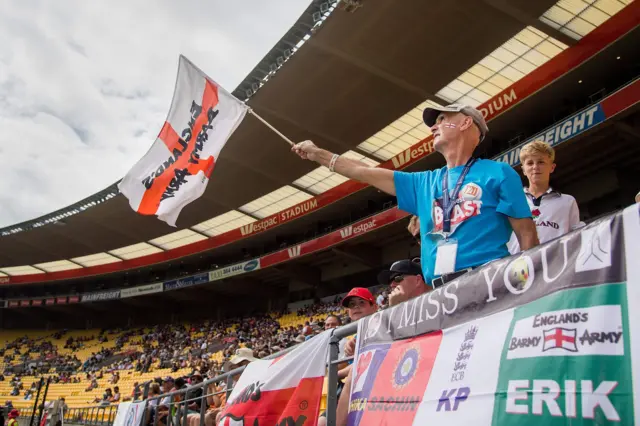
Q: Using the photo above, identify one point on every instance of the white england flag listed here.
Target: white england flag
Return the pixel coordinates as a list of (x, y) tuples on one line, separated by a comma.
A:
[(286, 390), (176, 169)]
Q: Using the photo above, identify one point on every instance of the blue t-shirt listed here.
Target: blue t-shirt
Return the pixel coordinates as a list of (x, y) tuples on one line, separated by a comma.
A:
[(490, 194)]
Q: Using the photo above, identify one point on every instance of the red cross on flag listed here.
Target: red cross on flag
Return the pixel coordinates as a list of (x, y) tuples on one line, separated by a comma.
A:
[(561, 338), (176, 169)]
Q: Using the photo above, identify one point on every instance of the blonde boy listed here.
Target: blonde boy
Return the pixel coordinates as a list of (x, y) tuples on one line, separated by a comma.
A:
[(554, 213)]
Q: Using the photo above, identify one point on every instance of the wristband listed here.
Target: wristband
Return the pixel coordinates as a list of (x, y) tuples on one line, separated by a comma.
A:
[(332, 163)]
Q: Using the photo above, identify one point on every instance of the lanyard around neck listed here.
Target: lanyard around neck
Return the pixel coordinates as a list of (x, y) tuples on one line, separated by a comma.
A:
[(449, 200)]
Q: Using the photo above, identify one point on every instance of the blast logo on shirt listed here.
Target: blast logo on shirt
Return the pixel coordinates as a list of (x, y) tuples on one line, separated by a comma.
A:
[(467, 206)]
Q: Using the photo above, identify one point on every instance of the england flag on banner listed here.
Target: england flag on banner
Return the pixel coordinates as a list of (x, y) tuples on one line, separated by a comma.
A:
[(176, 169), (286, 390), (560, 338)]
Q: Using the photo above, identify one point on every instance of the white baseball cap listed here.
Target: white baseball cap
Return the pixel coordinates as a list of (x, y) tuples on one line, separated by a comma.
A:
[(430, 114), (243, 354)]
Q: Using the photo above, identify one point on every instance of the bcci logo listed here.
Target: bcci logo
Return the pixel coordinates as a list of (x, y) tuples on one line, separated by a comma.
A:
[(406, 368)]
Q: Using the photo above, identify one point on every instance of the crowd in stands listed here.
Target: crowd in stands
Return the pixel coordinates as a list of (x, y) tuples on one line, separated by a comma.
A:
[(193, 352)]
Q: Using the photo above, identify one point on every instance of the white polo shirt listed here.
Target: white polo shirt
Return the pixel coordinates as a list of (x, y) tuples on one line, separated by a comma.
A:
[(554, 214)]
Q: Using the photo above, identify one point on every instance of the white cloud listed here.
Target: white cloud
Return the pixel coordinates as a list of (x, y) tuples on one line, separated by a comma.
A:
[(86, 85)]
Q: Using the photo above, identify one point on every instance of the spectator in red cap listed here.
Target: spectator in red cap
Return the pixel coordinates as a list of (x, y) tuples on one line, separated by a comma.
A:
[(359, 303), (13, 415)]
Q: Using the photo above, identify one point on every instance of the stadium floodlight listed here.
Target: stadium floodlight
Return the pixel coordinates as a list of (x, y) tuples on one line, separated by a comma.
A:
[(287, 53), (254, 87), (317, 16), (273, 67), (324, 7), (248, 92), (280, 61)]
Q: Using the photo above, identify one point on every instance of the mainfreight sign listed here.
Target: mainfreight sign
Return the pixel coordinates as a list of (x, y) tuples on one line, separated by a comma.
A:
[(561, 132), (232, 270), (186, 282), (100, 296)]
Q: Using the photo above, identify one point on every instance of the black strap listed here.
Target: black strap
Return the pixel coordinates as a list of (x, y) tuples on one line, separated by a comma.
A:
[(449, 200)]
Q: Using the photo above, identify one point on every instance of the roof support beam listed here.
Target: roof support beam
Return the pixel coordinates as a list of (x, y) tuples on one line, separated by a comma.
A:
[(154, 245), (423, 94), (306, 274), (362, 253), (520, 16), (628, 131)]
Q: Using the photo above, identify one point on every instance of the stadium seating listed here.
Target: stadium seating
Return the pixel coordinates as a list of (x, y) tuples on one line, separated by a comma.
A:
[(76, 394)]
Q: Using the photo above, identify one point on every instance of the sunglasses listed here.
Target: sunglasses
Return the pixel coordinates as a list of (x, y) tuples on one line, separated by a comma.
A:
[(397, 279)]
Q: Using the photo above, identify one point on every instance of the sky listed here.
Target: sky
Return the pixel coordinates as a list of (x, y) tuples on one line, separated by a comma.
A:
[(85, 86)]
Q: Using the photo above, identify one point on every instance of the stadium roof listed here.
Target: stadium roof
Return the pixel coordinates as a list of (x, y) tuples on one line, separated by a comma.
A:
[(382, 74)]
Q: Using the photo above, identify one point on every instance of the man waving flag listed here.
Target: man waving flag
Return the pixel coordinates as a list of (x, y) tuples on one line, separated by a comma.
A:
[(176, 169)]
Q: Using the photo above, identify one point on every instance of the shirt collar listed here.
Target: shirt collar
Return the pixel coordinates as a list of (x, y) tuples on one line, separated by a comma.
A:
[(549, 191)]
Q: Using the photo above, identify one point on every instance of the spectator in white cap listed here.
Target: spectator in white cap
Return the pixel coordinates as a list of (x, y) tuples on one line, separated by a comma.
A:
[(467, 209), (242, 354), (554, 213)]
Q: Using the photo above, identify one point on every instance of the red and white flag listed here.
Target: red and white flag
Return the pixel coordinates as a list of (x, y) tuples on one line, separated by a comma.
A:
[(560, 338), (286, 390), (176, 169)]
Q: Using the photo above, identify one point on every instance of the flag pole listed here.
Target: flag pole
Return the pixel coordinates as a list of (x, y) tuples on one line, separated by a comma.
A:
[(286, 139)]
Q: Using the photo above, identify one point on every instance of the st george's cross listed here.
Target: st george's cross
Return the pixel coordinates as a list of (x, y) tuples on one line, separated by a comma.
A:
[(176, 169)]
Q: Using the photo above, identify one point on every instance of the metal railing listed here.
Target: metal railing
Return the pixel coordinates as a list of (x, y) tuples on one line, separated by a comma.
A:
[(176, 404), (100, 415)]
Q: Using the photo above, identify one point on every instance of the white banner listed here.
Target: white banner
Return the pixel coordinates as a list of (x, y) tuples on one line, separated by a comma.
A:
[(176, 169), (233, 270), (141, 290), (129, 414)]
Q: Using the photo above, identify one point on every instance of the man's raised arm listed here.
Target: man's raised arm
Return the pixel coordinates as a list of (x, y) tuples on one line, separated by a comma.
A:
[(353, 169)]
